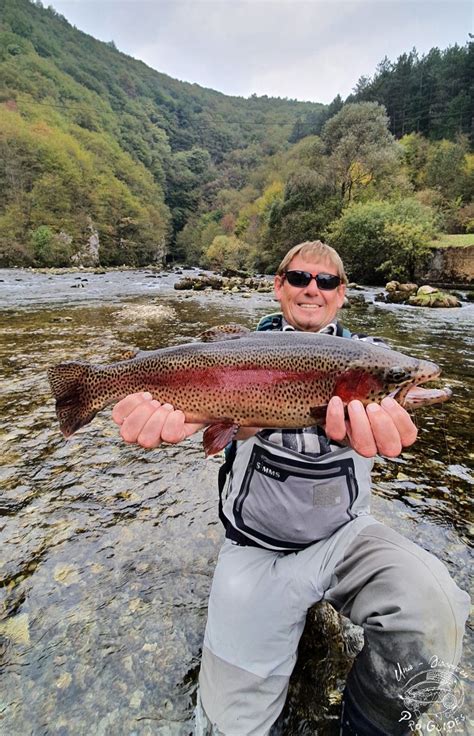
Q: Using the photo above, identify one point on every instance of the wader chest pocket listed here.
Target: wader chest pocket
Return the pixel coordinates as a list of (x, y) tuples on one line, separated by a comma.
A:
[(291, 503)]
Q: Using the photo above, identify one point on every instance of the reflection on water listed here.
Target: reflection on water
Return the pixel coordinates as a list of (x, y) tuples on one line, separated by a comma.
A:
[(107, 551)]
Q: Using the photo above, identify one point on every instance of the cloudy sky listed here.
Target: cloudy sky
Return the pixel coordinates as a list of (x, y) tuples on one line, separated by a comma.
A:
[(303, 49)]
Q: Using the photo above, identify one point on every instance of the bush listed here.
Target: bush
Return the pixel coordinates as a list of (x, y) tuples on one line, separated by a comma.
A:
[(381, 240), (229, 252), (408, 247), (49, 249)]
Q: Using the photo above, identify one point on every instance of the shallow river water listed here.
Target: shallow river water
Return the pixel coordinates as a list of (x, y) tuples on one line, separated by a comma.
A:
[(107, 550)]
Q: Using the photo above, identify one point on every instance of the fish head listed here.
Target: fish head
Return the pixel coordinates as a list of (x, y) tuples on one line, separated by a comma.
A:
[(393, 374), (401, 379)]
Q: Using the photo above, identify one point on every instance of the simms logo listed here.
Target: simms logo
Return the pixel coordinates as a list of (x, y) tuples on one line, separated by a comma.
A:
[(271, 472)]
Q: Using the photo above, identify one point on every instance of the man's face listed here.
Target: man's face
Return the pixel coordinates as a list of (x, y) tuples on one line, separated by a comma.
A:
[(308, 308)]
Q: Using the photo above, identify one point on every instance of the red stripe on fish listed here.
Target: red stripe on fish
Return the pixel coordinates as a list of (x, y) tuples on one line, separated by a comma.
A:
[(231, 378)]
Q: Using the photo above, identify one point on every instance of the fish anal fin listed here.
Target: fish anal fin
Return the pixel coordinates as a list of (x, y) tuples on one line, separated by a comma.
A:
[(218, 435), (224, 332)]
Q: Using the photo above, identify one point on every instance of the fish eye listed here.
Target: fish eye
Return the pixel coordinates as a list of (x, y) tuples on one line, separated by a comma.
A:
[(397, 375)]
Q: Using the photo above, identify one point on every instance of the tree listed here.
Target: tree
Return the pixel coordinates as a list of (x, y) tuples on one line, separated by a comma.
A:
[(380, 240), (361, 149), (446, 168), (229, 252)]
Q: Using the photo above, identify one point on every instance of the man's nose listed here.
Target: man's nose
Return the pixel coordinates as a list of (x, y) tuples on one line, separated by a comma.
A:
[(312, 288)]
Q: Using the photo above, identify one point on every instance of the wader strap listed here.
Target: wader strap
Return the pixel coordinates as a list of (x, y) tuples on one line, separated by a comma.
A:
[(224, 470)]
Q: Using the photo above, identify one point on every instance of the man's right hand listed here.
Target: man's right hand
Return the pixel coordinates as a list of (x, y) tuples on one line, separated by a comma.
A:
[(146, 422)]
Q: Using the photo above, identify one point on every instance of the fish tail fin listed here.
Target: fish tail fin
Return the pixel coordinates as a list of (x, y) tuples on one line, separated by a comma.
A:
[(69, 384)]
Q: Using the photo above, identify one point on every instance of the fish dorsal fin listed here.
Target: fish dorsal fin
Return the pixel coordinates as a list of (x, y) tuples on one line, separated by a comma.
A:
[(217, 436), (224, 332)]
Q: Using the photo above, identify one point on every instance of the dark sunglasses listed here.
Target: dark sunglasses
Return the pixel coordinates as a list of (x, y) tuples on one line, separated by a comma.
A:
[(324, 281)]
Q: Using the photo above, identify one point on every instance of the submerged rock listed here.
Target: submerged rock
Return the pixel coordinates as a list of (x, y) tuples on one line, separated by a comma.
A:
[(326, 652)]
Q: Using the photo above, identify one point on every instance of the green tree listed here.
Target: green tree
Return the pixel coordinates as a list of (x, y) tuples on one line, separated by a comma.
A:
[(446, 168), (362, 152), (229, 252), (380, 240)]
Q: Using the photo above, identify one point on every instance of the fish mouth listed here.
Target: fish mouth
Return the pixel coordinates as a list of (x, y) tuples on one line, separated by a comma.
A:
[(413, 395), (416, 397)]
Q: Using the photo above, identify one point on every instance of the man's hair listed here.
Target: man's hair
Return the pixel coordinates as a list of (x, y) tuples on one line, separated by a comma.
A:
[(314, 250)]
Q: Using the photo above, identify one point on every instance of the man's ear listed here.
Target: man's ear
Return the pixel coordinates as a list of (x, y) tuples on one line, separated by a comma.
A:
[(277, 286), (341, 295)]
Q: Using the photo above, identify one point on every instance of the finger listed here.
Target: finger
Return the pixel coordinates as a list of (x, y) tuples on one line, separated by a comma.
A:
[(123, 408), (385, 432), (133, 425), (173, 429), (149, 433), (335, 421), (191, 428), (360, 430), (406, 428)]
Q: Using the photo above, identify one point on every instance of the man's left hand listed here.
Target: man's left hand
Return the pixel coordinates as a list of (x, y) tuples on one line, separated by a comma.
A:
[(384, 428)]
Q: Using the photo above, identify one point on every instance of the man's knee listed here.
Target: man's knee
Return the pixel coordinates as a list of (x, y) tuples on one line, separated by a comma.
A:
[(431, 603), (391, 586), (432, 606)]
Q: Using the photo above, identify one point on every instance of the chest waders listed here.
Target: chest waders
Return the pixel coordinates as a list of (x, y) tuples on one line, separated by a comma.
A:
[(267, 578)]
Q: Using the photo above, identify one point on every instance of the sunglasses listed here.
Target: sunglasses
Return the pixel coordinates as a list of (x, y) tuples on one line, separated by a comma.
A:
[(324, 281)]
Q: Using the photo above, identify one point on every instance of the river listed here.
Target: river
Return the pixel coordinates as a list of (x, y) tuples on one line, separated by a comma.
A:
[(107, 550)]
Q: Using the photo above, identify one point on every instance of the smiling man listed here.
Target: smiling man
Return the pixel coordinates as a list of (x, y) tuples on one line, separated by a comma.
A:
[(309, 299), (296, 509)]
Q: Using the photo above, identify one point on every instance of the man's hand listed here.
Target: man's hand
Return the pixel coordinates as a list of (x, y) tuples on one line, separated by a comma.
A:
[(146, 422), (385, 429)]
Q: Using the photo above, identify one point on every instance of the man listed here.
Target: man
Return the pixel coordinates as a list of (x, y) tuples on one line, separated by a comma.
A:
[(268, 574)]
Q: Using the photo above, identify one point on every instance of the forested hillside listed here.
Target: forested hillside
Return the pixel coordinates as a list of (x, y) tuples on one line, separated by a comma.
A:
[(103, 159), (92, 139)]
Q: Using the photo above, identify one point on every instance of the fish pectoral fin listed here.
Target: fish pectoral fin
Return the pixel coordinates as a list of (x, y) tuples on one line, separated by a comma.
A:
[(224, 332), (217, 436), (319, 413)]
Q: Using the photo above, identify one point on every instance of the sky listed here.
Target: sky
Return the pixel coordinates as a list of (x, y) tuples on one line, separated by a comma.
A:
[(300, 49)]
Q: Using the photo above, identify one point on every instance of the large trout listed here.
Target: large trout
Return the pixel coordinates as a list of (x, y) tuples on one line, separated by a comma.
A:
[(265, 379)]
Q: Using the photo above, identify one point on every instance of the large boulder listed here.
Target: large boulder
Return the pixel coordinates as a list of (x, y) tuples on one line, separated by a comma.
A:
[(398, 293), (428, 296), (426, 290)]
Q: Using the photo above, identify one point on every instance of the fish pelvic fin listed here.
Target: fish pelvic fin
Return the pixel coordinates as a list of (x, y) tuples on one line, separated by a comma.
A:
[(68, 383), (217, 436)]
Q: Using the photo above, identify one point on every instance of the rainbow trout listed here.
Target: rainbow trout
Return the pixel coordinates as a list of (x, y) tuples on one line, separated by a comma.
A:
[(264, 379)]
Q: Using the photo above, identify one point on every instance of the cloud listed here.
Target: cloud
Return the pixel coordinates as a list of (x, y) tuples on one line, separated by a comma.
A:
[(300, 49)]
